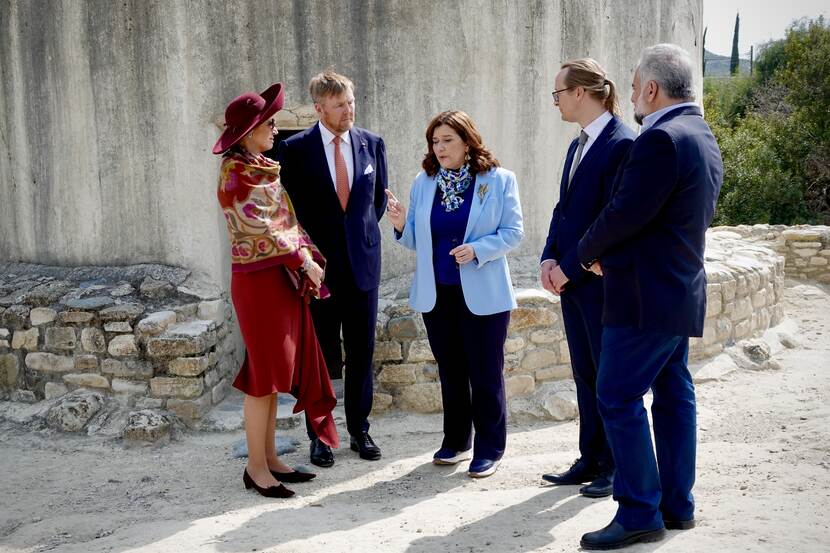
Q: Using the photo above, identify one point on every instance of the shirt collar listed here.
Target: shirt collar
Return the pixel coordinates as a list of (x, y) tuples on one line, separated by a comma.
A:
[(652, 118), (595, 127), (328, 136)]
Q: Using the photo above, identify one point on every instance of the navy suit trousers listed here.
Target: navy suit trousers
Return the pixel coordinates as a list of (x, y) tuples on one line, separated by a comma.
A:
[(582, 315), (354, 311), (633, 361), (469, 350)]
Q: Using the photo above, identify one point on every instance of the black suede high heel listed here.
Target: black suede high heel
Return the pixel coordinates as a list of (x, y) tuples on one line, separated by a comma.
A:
[(272, 491), (293, 477)]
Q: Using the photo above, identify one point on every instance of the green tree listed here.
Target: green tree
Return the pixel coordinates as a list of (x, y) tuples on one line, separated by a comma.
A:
[(735, 60), (773, 128)]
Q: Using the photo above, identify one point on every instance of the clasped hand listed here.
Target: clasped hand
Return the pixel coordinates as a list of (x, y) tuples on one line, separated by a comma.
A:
[(315, 274), (554, 279)]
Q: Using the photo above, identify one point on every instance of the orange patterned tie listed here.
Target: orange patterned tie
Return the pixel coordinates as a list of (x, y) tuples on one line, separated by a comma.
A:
[(342, 184)]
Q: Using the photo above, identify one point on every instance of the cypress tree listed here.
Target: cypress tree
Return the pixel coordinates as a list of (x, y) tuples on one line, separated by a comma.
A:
[(703, 48), (734, 62)]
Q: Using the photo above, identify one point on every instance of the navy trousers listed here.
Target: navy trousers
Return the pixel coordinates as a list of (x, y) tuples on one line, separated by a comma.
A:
[(647, 489), (355, 312), (582, 315), (469, 350)]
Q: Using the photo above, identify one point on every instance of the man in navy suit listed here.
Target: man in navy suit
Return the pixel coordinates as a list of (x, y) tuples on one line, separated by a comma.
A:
[(335, 175), (584, 95), (649, 243)]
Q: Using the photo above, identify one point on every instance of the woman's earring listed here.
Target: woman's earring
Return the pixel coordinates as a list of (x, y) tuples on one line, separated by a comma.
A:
[(250, 135), (467, 156)]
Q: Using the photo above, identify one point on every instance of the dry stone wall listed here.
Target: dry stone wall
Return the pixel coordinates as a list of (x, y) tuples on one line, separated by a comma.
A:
[(745, 269), (154, 340), (143, 336)]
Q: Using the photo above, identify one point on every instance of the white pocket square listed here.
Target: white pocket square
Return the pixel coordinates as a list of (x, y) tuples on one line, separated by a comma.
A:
[(369, 169)]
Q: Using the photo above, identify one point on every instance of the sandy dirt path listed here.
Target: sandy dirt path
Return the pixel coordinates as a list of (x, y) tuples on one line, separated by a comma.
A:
[(763, 481)]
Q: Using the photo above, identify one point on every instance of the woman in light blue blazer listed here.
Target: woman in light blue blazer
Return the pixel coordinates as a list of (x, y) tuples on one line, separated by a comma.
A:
[(464, 217)]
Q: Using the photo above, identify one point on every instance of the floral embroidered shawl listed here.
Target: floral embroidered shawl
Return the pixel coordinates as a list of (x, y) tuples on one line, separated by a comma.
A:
[(262, 225)]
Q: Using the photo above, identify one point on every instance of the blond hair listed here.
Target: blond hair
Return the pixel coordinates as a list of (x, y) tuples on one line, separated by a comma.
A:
[(328, 83), (590, 75)]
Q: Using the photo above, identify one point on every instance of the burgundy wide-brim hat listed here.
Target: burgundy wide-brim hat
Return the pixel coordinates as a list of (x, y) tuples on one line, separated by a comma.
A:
[(246, 112)]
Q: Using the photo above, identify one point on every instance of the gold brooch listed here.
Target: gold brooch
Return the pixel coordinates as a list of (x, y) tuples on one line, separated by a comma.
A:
[(482, 191)]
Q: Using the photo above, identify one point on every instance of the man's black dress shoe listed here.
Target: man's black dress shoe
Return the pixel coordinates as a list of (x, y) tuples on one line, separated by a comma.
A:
[(679, 524), (293, 477), (321, 454), (601, 487), (614, 536), (579, 473), (364, 444)]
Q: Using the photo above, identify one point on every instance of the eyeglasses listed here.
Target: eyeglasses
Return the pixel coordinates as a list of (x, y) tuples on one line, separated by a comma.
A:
[(556, 92)]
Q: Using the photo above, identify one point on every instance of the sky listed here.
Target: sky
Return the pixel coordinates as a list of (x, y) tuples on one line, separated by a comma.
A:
[(761, 20)]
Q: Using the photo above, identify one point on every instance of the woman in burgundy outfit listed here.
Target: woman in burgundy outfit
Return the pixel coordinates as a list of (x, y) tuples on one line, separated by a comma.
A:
[(275, 268)]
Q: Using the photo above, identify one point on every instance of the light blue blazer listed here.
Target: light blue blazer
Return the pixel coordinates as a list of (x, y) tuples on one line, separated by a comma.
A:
[(494, 228)]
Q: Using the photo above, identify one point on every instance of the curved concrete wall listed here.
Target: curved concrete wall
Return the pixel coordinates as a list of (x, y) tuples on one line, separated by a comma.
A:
[(108, 109)]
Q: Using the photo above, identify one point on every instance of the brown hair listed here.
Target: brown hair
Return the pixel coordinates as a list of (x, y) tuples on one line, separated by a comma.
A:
[(590, 75), (328, 83), (481, 159)]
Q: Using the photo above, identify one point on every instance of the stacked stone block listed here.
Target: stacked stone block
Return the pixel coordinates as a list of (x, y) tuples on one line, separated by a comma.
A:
[(148, 345)]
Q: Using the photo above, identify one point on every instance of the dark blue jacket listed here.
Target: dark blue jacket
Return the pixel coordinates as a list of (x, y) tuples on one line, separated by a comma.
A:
[(650, 238), (349, 240), (581, 202)]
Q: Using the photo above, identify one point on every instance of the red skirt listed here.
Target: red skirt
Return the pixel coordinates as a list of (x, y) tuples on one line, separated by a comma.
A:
[(283, 354)]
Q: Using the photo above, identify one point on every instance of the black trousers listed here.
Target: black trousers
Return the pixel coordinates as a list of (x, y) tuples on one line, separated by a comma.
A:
[(355, 312), (469, 349), (582, 315)]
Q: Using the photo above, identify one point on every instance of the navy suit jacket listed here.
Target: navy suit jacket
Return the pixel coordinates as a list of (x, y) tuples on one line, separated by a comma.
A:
[(581, 202), (349, 241), (651, 237)]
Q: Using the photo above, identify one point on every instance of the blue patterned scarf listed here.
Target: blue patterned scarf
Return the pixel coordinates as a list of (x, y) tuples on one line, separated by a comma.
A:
[(452, 184)]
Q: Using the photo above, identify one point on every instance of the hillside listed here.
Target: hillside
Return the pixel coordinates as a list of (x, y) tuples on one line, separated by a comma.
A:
[(718, 66)]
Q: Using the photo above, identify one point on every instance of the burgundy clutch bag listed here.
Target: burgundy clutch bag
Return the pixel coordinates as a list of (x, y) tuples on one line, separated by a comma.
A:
[(304, 286)]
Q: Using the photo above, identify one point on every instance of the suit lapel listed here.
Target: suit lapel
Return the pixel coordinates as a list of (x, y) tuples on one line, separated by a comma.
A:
[(319, 161), (482, 190), (359, 160), (597, 146), (359, 154), (566, 170), (428, 200)]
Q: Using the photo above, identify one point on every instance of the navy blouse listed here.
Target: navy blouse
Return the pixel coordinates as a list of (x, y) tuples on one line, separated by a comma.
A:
[(448, 230)]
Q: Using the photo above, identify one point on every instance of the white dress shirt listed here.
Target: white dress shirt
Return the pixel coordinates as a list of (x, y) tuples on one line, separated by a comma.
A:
[(652, 118), (345, 149)]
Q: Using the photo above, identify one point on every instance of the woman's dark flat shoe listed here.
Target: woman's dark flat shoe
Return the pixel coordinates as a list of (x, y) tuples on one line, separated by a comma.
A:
[(272, 491), (293, 477)]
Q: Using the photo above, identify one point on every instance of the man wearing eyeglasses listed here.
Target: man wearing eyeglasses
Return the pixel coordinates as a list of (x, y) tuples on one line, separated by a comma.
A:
[(584, 95), (335, 174), (649, 245)]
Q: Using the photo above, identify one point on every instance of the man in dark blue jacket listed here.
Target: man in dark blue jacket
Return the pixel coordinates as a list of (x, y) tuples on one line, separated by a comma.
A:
[(584, 95), (649, 245), (335, 175)]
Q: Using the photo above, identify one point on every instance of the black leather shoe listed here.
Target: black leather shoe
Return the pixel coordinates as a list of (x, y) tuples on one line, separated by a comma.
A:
[(321, 454), (614, 536), (364, 444), (294, 477), (579, 473), (679, 524), (601, 487)]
